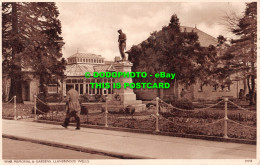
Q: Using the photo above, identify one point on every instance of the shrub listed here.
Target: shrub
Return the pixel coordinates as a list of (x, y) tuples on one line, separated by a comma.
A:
[(130, 109), (183, 103), (84, 98), (41, 106), (148, 105), (169, 98), (121, 111), (92, 98), (102, 98), (103, 109), (54, 97), (83, 110)]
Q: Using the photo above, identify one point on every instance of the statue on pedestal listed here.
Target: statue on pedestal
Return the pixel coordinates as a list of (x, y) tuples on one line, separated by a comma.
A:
[(122, 44)]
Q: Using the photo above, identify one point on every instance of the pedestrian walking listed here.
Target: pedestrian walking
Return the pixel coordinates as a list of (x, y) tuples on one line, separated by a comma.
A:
[(73, 107)]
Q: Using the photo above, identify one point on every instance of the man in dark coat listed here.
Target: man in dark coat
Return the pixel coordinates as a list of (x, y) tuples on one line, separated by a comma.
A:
[(73, 107)]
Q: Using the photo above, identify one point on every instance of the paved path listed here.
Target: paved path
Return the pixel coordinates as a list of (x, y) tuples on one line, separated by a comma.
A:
[(15, 149), (129, 144)]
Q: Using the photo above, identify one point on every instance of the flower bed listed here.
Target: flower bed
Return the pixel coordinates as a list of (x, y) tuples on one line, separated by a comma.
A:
[(198, 123), (212, 113), (21, 110), (200, 126)]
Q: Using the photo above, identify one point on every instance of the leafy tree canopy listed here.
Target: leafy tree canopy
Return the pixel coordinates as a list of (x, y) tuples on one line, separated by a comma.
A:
[(31, 40), (173, 51)]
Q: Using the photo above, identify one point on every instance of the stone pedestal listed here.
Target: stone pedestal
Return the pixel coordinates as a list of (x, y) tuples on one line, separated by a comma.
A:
[(126, 95)]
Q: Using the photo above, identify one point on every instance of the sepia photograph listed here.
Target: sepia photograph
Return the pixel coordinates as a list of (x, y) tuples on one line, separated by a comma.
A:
[(106, 82)]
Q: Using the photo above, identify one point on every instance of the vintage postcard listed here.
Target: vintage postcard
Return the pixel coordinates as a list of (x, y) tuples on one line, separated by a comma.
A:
[(123, 82)]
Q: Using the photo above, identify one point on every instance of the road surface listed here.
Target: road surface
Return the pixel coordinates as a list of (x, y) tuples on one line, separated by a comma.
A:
[(15, 149)]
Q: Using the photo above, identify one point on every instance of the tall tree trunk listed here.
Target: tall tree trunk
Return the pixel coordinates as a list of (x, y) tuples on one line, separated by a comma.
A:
[(245, 87), (16, 76), (252, 95)]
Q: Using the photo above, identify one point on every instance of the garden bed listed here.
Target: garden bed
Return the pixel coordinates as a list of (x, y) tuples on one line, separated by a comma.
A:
[(178, 122), (186, 124), (22, 110)]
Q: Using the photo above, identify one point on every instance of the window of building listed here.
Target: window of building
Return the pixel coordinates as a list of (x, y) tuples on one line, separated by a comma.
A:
[(68, 86), (52, 88), (222, 87), (99, 90), (92, 87), (111, 89), (215, 87), (87, 88), (76, 87), (81, 89), (228, 88), (77, 84), (104, 91), (80, 80), (201, 88)]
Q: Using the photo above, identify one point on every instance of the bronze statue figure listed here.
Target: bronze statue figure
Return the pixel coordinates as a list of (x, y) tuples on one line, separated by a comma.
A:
[(122, 44)]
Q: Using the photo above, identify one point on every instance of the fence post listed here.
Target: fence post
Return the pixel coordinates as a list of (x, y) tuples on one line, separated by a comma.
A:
[(157, 115), (225, 119), (106, 112), (15, 112), (35, 108)]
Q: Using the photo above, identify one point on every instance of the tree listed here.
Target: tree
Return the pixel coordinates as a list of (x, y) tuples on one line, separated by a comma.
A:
[(173, 51), (31, 39), (241, 55)]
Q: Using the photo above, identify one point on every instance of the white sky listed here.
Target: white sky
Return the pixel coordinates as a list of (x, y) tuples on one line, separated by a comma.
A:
[(91, 27)]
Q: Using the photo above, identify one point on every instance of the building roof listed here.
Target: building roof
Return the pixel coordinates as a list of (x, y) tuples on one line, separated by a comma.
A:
[(104, 68), (81, 69), (78, 69), (87, 56), (204, 38)]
